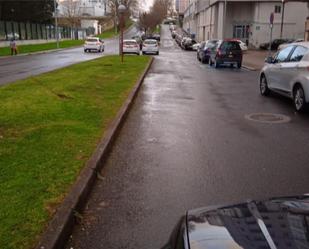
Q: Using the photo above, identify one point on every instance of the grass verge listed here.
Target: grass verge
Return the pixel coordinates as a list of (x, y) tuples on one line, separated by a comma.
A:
[(49, 127), (24, 49), (109, 33)]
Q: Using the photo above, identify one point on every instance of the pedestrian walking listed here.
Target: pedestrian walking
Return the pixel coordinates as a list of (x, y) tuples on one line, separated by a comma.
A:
[(13, 47)]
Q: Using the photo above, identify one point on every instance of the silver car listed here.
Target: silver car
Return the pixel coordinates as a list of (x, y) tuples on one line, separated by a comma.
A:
[(287, 73)]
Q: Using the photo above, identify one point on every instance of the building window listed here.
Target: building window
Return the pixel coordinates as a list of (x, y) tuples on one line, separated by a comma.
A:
[(277, 9)]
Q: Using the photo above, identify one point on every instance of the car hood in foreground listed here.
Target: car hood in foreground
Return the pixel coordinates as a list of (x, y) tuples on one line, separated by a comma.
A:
[(275, 223)]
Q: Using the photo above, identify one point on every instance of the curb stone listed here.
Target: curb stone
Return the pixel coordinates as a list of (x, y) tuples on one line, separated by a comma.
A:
[(60, 227), (249, 68)]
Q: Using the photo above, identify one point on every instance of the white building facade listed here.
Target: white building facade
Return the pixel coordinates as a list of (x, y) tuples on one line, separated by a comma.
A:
[(89, 9), (246, 20)]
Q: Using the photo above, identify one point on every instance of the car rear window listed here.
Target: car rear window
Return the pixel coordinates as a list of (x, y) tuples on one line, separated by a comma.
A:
[(150, 42), (129, 42), (231, 45), (92, 40)]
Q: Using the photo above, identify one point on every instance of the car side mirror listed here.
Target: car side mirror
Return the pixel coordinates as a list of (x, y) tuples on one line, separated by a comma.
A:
[(270, 60)]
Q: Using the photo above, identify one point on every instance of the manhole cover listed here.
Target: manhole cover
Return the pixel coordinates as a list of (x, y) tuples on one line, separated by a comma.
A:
[(269, 118)]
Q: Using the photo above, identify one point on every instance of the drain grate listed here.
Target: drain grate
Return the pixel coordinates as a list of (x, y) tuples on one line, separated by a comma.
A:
[(269, 118)]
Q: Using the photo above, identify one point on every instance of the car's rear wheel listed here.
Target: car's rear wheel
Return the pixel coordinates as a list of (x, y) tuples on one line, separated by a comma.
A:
[(239, 64), (264, 90), (157, 53), (85, 50), (299, 99)]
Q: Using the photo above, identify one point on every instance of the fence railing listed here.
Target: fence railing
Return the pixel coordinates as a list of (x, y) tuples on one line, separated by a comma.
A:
[(32, 31)]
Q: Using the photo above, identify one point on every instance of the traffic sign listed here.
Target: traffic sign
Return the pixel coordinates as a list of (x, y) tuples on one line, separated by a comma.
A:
[(271, 18)]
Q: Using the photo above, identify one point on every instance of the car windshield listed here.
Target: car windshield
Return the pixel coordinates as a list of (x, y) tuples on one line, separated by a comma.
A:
[(150, 42)]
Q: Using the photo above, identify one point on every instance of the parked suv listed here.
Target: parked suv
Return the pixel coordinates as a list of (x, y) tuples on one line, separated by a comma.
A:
[(226, 52), (287, 74)]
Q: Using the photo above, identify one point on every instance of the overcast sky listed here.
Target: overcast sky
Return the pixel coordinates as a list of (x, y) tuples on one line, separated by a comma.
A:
[(147, 4)]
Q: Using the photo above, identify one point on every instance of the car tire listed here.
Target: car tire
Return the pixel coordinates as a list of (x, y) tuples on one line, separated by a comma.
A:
[(85, 51), (299, 99), (239, 65), (264, 90), (157, 53), (197, 57)]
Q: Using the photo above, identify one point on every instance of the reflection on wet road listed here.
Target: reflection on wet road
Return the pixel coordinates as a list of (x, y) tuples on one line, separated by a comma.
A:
[(186, 144)]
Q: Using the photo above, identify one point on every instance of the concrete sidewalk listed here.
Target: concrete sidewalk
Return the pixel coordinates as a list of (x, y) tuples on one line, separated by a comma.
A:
[(254, 59)]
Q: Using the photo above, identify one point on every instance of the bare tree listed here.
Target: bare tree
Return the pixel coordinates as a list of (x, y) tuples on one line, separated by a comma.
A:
[(71, 13), (131, 5), (158, 12)]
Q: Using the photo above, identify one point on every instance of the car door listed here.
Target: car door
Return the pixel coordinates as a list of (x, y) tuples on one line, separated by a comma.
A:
[(290, 69), (274, 72)]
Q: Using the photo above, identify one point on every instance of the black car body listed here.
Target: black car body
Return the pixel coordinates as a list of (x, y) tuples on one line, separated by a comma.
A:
[(275, 44), (203, 52), (275, 223), (226, 52)]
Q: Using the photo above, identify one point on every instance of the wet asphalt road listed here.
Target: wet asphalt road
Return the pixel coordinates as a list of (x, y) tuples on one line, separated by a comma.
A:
[(20, 67), (186, 144)]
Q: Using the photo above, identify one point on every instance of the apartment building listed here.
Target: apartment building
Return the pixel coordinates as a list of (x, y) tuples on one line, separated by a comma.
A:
[(247, 20)]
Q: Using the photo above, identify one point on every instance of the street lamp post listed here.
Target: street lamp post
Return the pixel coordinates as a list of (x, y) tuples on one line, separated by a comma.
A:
[(121, 11), (56, 22), (282, 19)]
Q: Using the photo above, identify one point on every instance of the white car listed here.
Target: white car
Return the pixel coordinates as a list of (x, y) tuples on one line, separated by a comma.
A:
[(287, 73), (130, 47), (196, 46), (242, 45), (150, 46), (94, 43)]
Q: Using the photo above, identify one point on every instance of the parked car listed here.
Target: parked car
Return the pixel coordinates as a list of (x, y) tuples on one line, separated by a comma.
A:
[(157, 37), (274, 45), (242, 45), (226, 52), (203, 52), (288, 43), (196, 46), (94, 43), (187, 43), (178, 39), (272, 223), (150, 46), (131, 47), (173, 34), (287, 74)]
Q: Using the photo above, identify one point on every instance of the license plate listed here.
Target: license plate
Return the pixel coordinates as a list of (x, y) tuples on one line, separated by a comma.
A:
[(230, 56)]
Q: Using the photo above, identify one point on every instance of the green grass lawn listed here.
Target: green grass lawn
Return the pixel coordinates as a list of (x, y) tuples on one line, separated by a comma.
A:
[(24, 49), (49, 126), (111, 32)]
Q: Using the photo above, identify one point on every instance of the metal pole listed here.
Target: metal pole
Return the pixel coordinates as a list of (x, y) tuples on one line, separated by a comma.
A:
[(224, 18), (271, 37), (282, 19), (122, 24), (56, 23)]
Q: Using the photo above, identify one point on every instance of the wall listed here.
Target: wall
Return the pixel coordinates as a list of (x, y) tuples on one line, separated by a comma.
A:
[(294, 22)]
